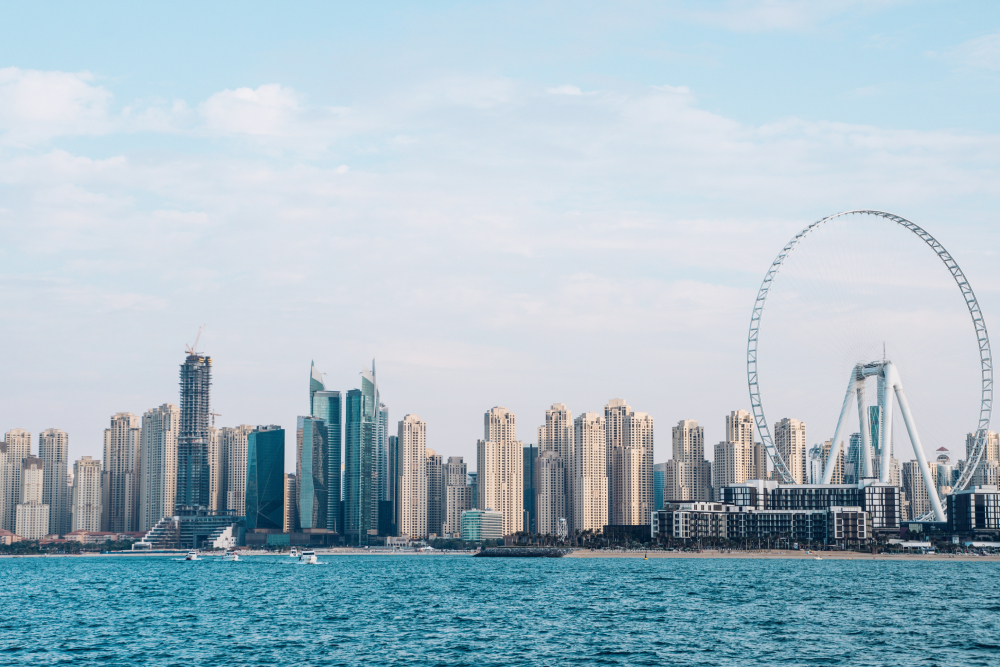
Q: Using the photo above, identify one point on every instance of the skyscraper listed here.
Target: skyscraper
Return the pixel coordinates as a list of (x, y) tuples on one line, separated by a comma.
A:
[(4, 476), (18, 448), (556, 436), (688, 475), (790, 441), (361, 483), (32, 516), (436, 500), (326, 405), (411, 501), (291, 519), (500, 469), (529, 457), (838, 470), (158, 464), (915, 489), (120, 480), (616, 413), (233, 444), (659, 481), (738, 458), (590, 479), (312, 471), (635, 471), (550, 491), (458, 494), (53, 449), (217, 471), (265, 490), (192, 438), (87, 496)]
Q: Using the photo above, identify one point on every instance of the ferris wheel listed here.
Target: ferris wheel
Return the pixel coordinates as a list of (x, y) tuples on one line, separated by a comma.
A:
[(857, 296)]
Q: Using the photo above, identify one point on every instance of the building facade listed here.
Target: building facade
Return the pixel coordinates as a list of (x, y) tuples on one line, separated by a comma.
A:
[(193, 471), (590, 478), (327, 405), (87, 496), (32, 516), (500, 469), (265, 487), (790, 441), (233, 448), (411, 442), (688, 475), (556, 436), (479, 525), (18, 448), (120, 482), (312, 447), (550, 491), (158, 464), (361, 481), (53, 449)]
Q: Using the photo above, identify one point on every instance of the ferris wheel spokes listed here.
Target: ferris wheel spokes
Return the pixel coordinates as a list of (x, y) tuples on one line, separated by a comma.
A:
[(890, 384)]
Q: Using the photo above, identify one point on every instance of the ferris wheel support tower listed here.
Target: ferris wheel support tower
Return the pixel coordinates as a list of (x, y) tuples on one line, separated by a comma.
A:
[(890, 385)]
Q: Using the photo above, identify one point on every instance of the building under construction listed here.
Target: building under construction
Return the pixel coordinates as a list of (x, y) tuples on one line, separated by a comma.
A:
[(192, 438)]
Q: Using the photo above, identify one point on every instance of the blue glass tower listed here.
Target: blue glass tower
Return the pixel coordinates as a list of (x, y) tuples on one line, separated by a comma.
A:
[(265, 494), (312, 472), (326, 405), (659, 482), (361, 475)]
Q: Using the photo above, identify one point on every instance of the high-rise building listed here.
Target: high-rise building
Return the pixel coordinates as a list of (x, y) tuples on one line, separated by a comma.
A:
[(550, 491), (386, 457), (4, 475), (634, 471), (32, 516), (915, 489), (158, 464), (192, 439), (790, 441), (838, 470), (616, 413), (120, 481), (312, 471), (816, 464), (233, 448), (361, 482), (659, 481), (500, 469), (688, 474), (265, 492), (53, 449), (853, 460), (290, 518), (411, 499), (217, 473), (529, 457), (18, 448), (458, 495), (590, 473), (87, 496), (556, 435), (474, 486), (436, 499), (326, 405), (738, 458)]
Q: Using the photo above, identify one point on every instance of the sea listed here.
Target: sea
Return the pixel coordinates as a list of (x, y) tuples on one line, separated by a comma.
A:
[(458, 610)]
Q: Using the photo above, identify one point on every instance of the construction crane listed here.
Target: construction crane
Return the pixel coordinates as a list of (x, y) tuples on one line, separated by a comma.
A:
[(214, 415), (192, 349)]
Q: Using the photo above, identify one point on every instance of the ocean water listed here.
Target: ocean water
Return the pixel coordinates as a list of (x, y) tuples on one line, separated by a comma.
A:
[(456, 610)]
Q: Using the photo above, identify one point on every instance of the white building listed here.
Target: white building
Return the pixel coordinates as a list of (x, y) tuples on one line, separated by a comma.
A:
[(120, 482), (458, 495), (53, 449), (590, 478), (411, 509), (550, 492), (634, 471), (18, 448), (87, 496), (556, 436), (158, 464), (233, 448), (790, 441), (500, 469), (32, 516), (616, 413), (688, 475)]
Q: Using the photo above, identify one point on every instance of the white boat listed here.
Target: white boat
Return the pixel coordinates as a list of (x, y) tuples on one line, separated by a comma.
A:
[(192, 555), (294, 553), (308, 557), (817, 558), (231, 555)]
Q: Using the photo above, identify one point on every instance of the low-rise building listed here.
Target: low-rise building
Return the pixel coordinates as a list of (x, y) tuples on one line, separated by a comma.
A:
[(976, 508), (880, 500), (479, 525)]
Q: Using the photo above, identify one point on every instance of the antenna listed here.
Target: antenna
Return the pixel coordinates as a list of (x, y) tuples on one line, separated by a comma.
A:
[(192, 349)]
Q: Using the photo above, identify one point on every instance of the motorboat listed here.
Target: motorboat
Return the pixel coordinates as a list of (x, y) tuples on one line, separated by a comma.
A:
[(192, 555), (294, 553), (231, 555), (308, 558)]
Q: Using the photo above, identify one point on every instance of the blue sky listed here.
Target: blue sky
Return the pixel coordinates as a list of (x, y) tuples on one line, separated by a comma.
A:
[(504, 203)]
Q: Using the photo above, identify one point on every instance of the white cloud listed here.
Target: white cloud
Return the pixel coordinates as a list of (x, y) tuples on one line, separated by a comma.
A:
[(37, 106), (566, 90), (269, 110), (769, 15), (980, 53)]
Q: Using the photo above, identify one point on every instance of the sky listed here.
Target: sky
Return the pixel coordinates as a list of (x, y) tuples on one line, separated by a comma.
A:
[(502, 203)]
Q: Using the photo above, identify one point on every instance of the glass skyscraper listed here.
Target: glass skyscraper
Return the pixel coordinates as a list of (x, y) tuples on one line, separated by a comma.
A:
[(361, 478), (530, 515), (192, 437), (265, 493), (326, 405), (312, 472)]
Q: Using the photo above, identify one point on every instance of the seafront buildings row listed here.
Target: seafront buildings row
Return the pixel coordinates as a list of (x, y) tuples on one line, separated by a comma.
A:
[(171, 478)]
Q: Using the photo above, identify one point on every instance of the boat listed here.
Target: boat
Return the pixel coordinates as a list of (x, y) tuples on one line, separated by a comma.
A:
[(294, 553), (231, 555), (308, 558), (817, 558), (192, 555)]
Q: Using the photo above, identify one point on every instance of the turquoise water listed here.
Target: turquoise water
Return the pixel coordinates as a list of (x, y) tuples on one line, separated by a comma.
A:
[(454, 610)]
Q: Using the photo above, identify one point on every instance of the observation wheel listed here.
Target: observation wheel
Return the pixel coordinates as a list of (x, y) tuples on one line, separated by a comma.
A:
[(864, 364)]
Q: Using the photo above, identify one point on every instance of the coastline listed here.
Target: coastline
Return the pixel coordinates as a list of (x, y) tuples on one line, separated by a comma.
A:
[(774, 554)]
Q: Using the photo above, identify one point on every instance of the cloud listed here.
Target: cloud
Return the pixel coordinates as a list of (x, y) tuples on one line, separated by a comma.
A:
[(979, 53), (38, 106), (566, 90), (774, 15), (269, 110)]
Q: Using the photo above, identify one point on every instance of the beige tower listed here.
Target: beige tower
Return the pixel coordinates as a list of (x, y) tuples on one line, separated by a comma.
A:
[(636, 471), (590, 478), (740, 431), (556, 436), (411, 444), (500, 469), (53, 449), (32, 517), (550, 492), (790, 441), (18, 448), (233, 445), (87, 496), (158, 464), (616, 414), (688, 474), (838, 470), (120, 483)]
